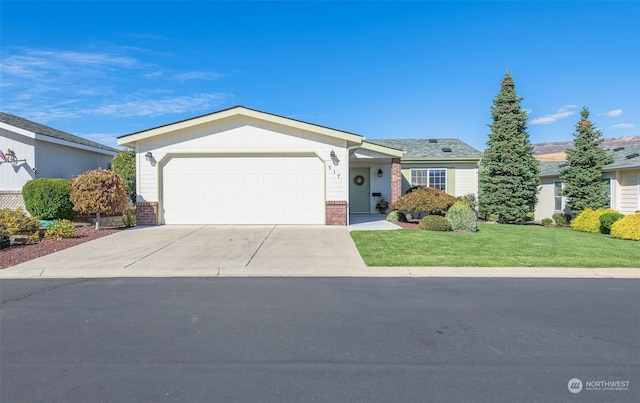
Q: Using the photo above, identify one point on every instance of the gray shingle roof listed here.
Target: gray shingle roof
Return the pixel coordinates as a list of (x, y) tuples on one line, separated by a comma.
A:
[(431, 148), (620, 161), (34, 127)]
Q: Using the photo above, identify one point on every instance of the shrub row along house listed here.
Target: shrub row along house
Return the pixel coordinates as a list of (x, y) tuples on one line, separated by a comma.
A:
[(29, 150), (244, 166), (622, 177)]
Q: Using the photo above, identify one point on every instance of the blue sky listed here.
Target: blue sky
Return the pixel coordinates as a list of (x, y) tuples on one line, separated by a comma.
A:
[(378, 69)]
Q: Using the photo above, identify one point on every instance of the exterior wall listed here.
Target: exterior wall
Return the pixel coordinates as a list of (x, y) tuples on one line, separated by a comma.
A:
[(13, 177), (336, 213), (546, 201), (51, 160), (147, 213), (58, 161), (625, 196), (242, 135), (628, 193), (396, 180)]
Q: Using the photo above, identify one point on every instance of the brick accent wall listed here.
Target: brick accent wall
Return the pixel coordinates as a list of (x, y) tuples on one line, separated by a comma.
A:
[(337, 212), (146, 213), (396, 180)]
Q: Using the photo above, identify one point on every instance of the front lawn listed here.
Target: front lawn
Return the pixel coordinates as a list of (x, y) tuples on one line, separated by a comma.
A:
[(496, 245)]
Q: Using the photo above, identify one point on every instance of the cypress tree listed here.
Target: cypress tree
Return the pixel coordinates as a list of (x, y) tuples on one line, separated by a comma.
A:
[(582, 177), (509, 173)]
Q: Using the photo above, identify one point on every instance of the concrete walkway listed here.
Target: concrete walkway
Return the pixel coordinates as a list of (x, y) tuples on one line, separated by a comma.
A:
[(250, 251)]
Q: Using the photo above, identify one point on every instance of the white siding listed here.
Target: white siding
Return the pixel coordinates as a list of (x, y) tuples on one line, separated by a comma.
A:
[(628, 191), (58, 161), (546, 201), (240, 135), (466, 180), (14, 177)]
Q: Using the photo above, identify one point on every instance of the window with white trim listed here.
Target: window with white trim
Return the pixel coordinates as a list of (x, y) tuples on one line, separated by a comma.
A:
[(557, 196), (432, 177), (607, 181)]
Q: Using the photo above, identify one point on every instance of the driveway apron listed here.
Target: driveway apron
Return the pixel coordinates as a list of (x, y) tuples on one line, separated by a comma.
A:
[(200, 250)]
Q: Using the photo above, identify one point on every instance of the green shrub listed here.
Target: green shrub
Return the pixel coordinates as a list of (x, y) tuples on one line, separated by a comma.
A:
[(607, 220), (470, 199), (4, 236), (61, 229), (17, 222), (589, 220), (124, 165), (461, 217), (562, 220), (435, 223), (48, 198), (396, 216), (547, 221), (424, 199), (129, 217), (628, 227)]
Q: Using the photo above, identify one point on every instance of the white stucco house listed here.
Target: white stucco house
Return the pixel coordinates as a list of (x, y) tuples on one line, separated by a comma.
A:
[(622, 177), (244, 166), (30, 150)]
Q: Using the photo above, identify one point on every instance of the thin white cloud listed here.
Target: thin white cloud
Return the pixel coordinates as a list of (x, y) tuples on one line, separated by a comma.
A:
[(562, 113), (614, 113), (157, 107), (623, 126), (197, 75)]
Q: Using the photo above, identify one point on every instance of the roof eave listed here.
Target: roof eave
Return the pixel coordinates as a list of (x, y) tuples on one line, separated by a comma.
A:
[(129, 140)]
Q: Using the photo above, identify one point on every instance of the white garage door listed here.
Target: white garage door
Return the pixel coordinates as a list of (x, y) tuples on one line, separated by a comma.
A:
[(243, 190)]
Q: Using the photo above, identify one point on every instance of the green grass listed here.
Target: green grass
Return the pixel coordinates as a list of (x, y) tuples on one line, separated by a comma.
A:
[(496, 245)]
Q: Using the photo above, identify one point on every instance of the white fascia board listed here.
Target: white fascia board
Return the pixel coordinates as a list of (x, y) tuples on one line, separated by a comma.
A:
[(382, 149), (129, 140), (17, 130)]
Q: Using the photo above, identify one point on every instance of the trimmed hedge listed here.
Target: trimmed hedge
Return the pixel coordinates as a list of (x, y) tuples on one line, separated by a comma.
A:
[(562, 220), (589, 220), (462, 217), (607, 220), (435, 223), (396, 216), (48, 198), (628, 227)]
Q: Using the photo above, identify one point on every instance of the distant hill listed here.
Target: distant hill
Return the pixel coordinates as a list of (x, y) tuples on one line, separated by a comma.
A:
[(554, 151)]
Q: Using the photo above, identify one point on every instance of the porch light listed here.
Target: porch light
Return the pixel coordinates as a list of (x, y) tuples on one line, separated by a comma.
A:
[(380, 173), (332, 154), (148, 156)]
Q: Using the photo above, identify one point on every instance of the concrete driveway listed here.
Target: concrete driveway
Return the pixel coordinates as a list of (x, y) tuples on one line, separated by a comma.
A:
[(206, 250)]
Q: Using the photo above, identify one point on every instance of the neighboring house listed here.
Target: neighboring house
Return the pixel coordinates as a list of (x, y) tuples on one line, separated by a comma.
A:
[(30, 150), (622, 177), (244, 166)]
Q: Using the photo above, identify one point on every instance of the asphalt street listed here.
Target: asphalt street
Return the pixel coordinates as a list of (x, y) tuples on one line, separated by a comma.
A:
[(319, 339)]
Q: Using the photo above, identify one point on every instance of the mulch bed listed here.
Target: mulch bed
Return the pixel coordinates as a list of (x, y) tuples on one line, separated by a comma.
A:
[(14, 255)]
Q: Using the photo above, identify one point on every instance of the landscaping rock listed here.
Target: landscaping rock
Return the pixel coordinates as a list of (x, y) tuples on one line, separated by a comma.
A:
[(18, 240)]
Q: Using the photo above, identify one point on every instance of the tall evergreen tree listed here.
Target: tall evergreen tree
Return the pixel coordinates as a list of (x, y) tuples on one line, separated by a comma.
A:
[(582, 177), (509, 173)]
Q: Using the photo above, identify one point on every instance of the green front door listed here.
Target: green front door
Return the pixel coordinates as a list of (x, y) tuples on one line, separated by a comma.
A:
[(359, 190)]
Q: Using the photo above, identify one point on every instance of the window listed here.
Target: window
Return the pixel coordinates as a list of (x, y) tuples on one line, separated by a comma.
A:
[(607, 181), (435, 178), (557, 196)]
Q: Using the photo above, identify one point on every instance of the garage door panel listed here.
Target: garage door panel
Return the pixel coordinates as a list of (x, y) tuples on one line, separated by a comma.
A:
[(243, 190)]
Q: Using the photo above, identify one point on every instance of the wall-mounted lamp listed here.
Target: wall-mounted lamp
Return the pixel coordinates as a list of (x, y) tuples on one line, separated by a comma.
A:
[(148, 156), (11, 155), (332, 154), (35, 170), (380, 173)]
